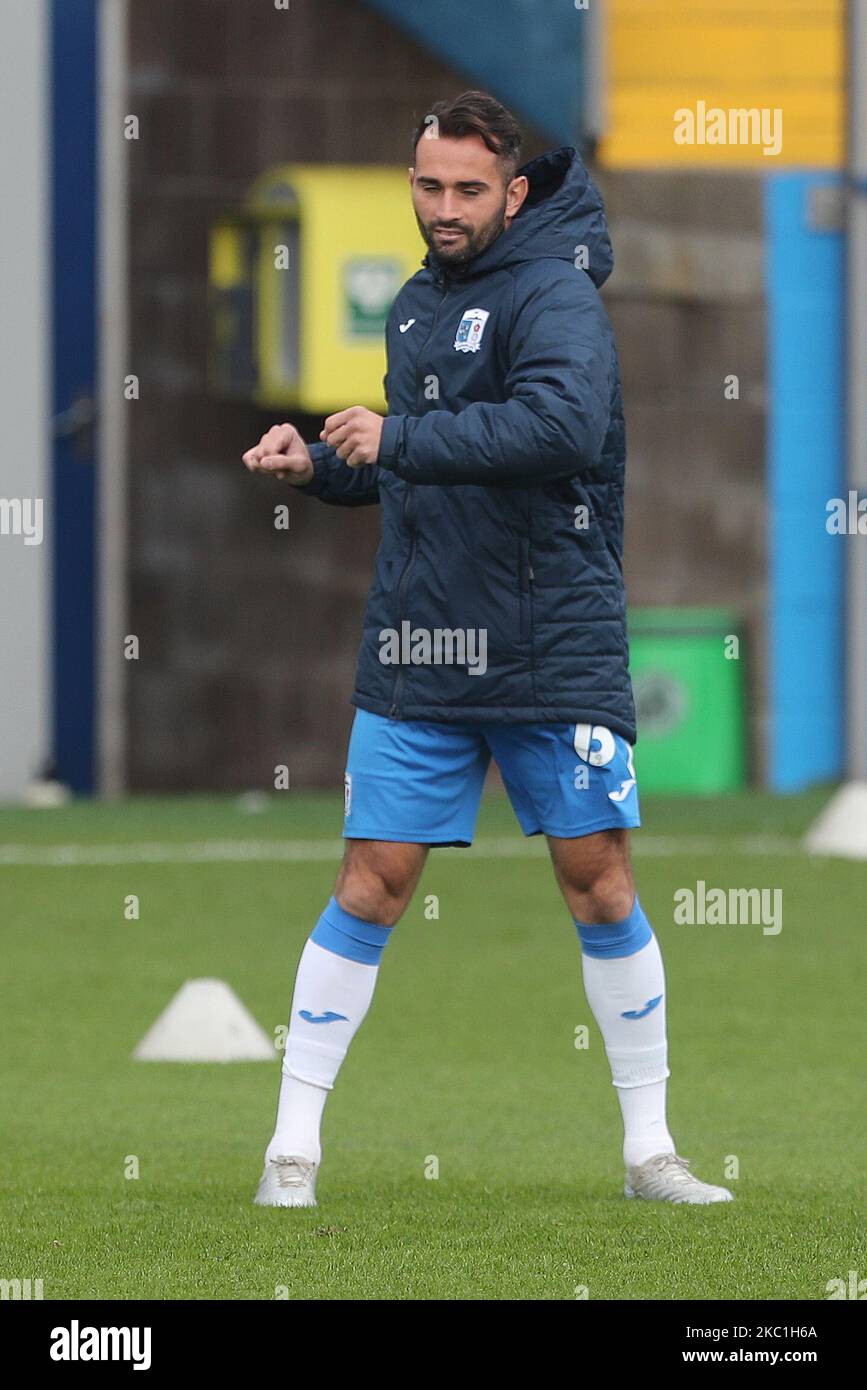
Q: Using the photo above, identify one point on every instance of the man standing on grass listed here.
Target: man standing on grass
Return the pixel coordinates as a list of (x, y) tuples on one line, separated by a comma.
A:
[(499, 473)]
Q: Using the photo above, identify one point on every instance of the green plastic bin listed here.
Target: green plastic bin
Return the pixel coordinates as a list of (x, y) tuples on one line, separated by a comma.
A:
[(689, 697)]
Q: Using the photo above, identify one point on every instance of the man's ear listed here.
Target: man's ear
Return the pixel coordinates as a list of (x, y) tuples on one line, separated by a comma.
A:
[(411, 173), (516, 195)]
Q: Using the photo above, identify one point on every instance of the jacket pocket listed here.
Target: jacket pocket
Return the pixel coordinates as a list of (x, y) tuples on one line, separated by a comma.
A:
[(525, 619)]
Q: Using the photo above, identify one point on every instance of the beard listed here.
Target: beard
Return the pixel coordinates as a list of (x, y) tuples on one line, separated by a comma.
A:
[(468, 246)]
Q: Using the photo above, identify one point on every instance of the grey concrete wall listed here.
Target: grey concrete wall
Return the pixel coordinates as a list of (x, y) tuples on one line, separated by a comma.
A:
[(687, 303), (25, 397), (248, 634)]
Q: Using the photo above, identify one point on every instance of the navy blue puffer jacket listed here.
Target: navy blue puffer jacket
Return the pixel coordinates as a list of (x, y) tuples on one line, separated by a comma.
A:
[(500, 477)]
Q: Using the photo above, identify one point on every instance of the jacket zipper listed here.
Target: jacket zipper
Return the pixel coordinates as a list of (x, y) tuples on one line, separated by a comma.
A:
[(526, 590), (423, 348), (400, 676)]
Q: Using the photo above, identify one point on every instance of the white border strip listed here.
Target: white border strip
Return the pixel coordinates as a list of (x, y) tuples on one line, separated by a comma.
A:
[(111, 420), (329, 851), (26, 391), (856, 376)]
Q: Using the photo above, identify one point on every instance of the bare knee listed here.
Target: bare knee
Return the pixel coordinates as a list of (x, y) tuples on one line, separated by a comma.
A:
[(595, 875), (377, 879)]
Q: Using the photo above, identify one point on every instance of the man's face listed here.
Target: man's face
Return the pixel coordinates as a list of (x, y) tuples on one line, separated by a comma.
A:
[(461, 202)]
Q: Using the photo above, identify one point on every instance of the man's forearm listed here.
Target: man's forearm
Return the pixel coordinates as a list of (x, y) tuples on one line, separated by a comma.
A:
[(333, 482), (539, 438)]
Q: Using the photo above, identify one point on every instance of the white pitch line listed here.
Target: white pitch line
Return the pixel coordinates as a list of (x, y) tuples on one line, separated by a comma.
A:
[(324, 851)]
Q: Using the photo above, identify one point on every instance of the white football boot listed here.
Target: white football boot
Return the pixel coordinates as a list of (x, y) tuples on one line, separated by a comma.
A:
[(288, 1181), (665, 1178)]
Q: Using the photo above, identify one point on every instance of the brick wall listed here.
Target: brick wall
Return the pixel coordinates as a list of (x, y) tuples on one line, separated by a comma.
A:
[(687, 304), (248, 634)]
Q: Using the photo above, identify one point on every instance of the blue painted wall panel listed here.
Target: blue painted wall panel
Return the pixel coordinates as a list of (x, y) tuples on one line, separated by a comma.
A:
[(528, 53), (806, 467), (73, 181)]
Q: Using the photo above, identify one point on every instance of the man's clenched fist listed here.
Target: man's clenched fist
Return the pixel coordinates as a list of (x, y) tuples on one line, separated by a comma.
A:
[(282, 452), (355, 434)]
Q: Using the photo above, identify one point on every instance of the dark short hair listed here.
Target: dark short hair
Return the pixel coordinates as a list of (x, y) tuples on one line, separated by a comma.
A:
[(476, 113)]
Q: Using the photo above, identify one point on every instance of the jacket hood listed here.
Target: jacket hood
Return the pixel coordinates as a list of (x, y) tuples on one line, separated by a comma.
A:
[(563, 210)]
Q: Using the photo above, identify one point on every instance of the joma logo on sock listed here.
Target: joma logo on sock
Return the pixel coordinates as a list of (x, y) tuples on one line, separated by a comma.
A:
[(77, 1343), (718, 907), (438, 646), (642, 1013)]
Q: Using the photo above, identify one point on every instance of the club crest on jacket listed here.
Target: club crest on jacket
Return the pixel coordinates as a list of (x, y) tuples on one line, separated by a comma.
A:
[(471, 330)]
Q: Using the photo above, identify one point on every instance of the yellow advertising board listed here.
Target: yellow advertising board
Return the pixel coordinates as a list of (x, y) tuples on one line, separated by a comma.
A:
[(301, 282), (724, 83)]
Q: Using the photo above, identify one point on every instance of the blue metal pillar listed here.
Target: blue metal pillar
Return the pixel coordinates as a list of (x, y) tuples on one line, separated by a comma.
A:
[(806, 468), (74, 330)]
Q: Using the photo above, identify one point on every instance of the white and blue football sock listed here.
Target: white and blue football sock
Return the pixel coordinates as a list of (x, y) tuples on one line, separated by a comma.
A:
[(333, 990), (625, 986)]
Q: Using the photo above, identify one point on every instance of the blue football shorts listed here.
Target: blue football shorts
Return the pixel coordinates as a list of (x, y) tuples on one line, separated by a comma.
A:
[(421, 783)]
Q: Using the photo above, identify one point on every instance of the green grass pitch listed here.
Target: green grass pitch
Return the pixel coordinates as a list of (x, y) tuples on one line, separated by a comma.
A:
[(468, 1056)]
